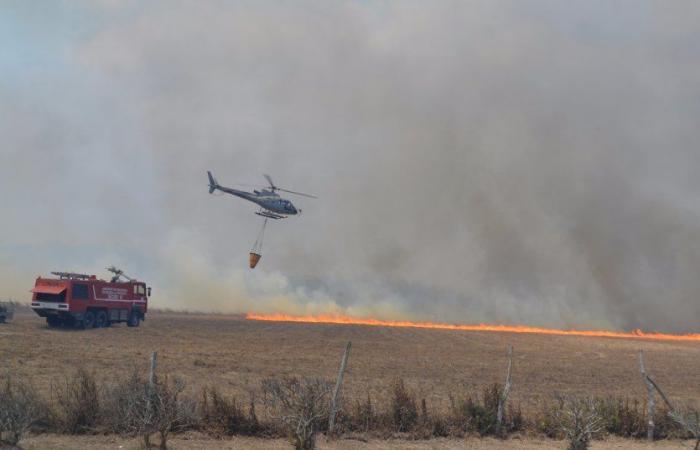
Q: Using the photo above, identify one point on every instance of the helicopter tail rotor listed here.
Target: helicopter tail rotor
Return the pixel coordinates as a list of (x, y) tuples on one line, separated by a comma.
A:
[(212, 183)]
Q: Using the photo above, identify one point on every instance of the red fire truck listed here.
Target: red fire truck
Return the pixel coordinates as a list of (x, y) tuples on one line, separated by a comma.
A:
[(84, 301)]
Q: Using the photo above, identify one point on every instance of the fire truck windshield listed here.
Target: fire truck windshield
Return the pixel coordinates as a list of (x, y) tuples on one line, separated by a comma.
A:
[(44, 297)]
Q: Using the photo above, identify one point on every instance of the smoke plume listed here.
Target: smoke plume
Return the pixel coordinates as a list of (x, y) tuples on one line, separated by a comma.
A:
[(514, 162)]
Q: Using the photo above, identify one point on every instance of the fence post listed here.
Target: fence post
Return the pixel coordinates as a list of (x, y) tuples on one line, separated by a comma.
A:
[(336, 392), (152, 373), (149, 400), (650, 398), (506, 389)]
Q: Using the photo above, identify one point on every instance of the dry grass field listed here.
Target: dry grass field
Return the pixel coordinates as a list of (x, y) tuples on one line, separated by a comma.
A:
[(234, 354)]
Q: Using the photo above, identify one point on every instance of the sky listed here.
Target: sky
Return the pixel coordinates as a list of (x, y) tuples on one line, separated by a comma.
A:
[(516, 162)]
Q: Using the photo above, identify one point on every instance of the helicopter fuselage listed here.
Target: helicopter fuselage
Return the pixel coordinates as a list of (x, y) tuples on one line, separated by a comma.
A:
[(267, 200)]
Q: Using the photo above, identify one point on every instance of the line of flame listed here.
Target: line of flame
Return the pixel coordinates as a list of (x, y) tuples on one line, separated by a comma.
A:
[(636, 334)]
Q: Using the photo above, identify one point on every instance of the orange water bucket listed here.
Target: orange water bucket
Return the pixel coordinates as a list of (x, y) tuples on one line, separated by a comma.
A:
[(254, 258)]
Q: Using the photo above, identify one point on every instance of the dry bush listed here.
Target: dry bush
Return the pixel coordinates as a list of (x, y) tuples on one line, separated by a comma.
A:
[(404, 412), (621, 417), (120, 399), (364, 415), (402, 416), (223, 415), (77, 405), (430, 424), (360, 417), (579, 421), (688, 419), (19, 409), (135, 407), (477, 418), (171, 411), (666, 427), (618, 416), (301, 405), (479, 415), (513, 420), (545, 421)]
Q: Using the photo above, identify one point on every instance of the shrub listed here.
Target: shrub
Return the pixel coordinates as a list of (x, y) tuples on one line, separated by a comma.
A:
[(225, 416), (430, 424), (120, 399), (364, 414), (621, 417), (359, 416), (301, 405), (480, 419), (514, 420), (478, 415), (77, 403), (19, 408), (688, 419), (546, 421), (403, 407), (579, 421), (666, 426), (169, 409), (137, 408)]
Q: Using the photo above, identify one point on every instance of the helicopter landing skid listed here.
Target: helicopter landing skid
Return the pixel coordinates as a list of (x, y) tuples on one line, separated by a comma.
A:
[(270, 215)]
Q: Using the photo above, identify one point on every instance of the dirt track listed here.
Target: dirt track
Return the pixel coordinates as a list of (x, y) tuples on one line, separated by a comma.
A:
[(198, 442)]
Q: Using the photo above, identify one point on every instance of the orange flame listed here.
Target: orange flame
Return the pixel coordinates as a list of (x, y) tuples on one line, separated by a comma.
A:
[(636, 334)]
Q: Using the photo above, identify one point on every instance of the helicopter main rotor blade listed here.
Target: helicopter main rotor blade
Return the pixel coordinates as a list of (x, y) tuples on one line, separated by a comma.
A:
[(275, 188), (297, 193), (269, 180)]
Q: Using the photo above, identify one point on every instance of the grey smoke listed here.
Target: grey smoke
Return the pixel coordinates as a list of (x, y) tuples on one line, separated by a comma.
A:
[(515, 162)]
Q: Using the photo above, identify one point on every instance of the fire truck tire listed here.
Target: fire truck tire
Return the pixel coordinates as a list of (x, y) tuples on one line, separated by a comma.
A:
[(134, 319), (53, 322), (89, 320), (100, 319)]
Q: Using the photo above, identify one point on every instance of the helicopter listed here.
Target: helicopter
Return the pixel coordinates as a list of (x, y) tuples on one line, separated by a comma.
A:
[(272, 206)]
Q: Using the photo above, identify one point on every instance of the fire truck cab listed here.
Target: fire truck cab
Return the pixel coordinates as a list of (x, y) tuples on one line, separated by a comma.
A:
[(84, 301)]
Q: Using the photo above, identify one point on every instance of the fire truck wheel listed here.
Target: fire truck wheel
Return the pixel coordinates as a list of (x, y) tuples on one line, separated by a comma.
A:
[(100, 319), (134, 319), (89, 320), (53, 322)]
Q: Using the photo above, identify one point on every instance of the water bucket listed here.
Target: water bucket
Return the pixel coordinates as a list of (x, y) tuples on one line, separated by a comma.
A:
[(254, 258)]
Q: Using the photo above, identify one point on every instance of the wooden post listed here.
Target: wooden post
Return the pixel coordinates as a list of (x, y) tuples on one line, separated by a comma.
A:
[(650, 398), (336, 392), (152, 373), (506, 389), (675, 414), (150, 391)]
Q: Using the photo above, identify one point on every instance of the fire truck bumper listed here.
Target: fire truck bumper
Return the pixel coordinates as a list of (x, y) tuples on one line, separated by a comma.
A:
[(44, 309)]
